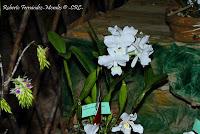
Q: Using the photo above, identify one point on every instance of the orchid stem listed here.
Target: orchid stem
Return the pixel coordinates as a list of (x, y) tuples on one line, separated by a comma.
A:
[(17, 64)]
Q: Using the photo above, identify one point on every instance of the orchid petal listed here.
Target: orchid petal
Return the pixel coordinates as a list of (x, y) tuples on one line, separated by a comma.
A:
[(134, 61), (105, 60), (110, 41), (116, 51), (144, 59), (133, 117), (131, 48), (137, 127), (143, 41), (130, 30), (126, 40), (117, 128), (125, 117), (114, 31)]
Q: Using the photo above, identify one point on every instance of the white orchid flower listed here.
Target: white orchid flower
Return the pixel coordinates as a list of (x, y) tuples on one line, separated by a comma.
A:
[(142, 50), (127, 124), (119, 37), (91, 129), (116, 57), (191, 132)]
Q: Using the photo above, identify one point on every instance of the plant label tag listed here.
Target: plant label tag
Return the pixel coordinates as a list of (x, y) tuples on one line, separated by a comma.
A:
[(105, 108), (90, 109), (196, 126)]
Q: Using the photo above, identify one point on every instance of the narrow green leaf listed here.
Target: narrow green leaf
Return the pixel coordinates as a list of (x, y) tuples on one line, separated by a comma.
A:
[(94, 36), (151, 80), (82, 59), (67, 72), (122, 96), (113, 84), (88, 100), (89, 83), (66, 55), (108, 96), (94, 93), (57, 41)]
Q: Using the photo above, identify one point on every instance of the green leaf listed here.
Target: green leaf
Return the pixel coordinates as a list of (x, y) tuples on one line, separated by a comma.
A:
[(88, 100), (82, 59), (57, 41), (67, 72), (66, 55), (107, 97), (5, 106), (94, 93), (113, 84), (100, 45), (89, 83), (151, 80), (67, 100), (122, 96)]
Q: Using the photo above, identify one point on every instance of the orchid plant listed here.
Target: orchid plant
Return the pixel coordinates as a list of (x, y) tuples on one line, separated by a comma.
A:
[(104, 69), (22, 85)]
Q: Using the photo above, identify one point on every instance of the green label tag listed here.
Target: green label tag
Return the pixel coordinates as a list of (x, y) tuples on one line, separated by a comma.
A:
[(105, 108), (90, 109), (196, 126)]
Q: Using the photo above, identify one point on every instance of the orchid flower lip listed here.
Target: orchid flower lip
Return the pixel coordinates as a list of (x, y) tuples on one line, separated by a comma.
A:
[(91, 128)]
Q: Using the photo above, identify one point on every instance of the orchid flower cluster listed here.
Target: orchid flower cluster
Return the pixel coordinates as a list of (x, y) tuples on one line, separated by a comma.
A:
[(123, 45), (126, 125), (42, 58), (22, 91)]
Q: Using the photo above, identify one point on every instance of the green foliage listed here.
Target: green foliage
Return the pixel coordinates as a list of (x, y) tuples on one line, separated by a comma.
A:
[(57, 41), (113, 84), (89, 83), (5, 106), (41, 54), (82, 59), (122, 96), (182, 64), (94, 93), (66, 96), (99, 43), (67, 72), (88, 100)]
